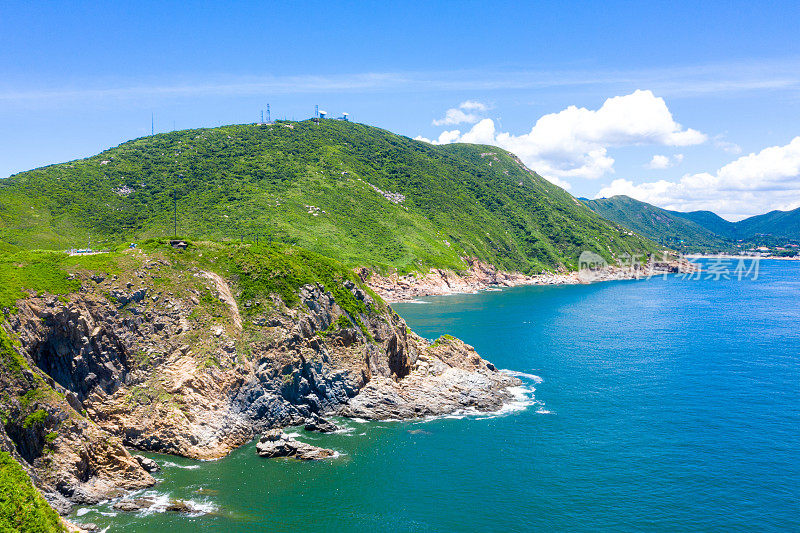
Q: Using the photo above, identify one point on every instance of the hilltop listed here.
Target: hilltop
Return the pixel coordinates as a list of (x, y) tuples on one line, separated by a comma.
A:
[(355, 193)]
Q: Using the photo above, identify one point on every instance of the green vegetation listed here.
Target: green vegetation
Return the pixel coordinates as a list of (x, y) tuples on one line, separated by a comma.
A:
[(779, 224), (37, 417), (443, 340), (665, 227), (354, 193), (22, 508), (11, 362), (700, 231)]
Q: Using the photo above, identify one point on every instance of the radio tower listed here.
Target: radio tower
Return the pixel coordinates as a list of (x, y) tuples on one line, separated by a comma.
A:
[(152, 122), (268, 118)]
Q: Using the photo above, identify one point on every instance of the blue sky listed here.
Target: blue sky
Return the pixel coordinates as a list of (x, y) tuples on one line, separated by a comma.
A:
[(686, 105)]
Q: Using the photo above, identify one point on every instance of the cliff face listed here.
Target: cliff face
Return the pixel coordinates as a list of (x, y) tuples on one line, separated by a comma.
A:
[(185, 361)]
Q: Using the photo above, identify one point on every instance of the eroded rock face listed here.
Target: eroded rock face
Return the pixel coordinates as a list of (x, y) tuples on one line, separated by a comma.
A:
[(145, 374), (76, 345), (448, 377), (276, 443)]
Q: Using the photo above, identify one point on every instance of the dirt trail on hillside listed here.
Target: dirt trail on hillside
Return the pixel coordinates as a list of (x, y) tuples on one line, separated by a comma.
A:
[(226, 296)]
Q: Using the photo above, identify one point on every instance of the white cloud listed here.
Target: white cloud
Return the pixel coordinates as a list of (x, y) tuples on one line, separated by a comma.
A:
[(662, 161), (472, 105), (722, 144), (456, 116), (752, 184), (659, 161), (462, 114), (574, 142)]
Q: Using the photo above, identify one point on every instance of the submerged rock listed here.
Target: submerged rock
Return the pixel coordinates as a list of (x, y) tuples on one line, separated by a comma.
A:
[(276, 443)]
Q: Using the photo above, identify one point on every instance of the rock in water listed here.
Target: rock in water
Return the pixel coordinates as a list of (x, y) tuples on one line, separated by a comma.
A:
[(148, 464), (276, 443), (319, 424), (134, 505)]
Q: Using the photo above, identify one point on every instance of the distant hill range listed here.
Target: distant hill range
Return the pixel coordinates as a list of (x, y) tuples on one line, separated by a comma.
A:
[(700, 231)]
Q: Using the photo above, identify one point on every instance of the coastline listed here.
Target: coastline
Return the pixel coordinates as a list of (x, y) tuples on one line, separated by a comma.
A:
[(751, 257), (482, 276)]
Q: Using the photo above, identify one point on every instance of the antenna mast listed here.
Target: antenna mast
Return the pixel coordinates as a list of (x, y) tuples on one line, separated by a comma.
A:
[(268, 118), (152, 122)]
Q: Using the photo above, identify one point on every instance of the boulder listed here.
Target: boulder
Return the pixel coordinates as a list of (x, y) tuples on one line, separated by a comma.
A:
[(132, 505), (148, 464), (319, 424), (276, 443)]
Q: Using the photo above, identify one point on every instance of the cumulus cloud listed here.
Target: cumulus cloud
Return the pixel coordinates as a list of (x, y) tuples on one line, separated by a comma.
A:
[(465, 113), (574, 142), (752, 184), (662, 161)]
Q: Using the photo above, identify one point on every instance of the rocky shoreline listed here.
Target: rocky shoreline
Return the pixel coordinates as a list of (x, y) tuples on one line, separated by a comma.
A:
[(123, 364), (480, 276)]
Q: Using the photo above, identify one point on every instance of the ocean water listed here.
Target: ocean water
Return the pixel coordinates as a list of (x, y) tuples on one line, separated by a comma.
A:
[(655, 405)]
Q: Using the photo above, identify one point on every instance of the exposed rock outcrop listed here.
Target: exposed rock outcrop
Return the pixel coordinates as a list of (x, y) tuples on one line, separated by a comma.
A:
[(191, 369), (276, 443), (481, 276)]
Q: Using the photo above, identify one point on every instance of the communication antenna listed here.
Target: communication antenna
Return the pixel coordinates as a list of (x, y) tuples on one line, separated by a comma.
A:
[(152, 122), (262, 116), (268, 118), (316, 111)]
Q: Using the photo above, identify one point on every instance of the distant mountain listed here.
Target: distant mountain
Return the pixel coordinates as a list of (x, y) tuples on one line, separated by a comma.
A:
[(701, 231), (712, 222), (784, 224), (668, 228)]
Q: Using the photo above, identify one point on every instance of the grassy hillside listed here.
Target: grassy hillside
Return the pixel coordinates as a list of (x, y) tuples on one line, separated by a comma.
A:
[(358, 194), (785, 224), (701, 231), (666, 227), (712, 222), (22, 508)]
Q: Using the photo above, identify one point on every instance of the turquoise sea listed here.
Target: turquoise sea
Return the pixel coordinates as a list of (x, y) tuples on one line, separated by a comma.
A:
[(659, 405)]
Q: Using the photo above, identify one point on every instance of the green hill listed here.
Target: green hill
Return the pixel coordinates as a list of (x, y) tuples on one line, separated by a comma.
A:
[(355, 193), (712, 222), (669, 228), (780, 224), (698, 231)]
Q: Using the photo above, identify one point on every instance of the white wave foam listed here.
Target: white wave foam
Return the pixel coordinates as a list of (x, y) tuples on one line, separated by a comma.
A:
[(536, 379), (84, 511), (162, 501), (170, 464)]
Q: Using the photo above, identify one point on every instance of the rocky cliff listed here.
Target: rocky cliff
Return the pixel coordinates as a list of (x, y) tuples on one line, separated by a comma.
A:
[(197, 352)]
